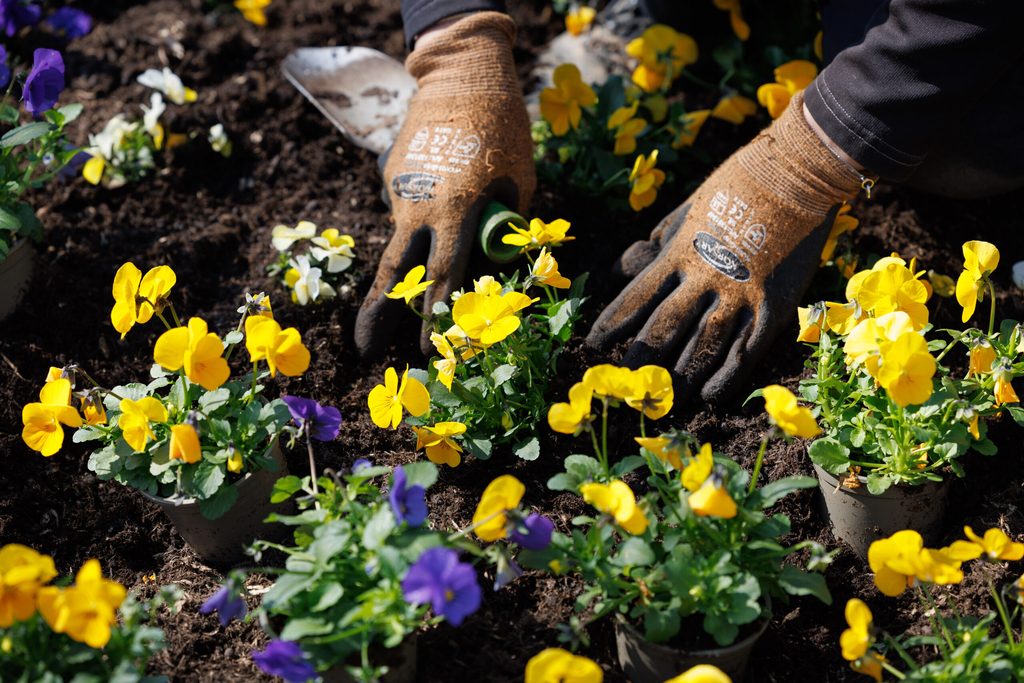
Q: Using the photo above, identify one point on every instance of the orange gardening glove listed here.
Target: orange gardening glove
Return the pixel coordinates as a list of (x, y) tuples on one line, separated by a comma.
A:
[(466, 141), (723, 272)]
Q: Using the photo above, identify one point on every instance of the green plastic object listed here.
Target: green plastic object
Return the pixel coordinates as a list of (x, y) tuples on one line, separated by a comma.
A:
[(493, 226)]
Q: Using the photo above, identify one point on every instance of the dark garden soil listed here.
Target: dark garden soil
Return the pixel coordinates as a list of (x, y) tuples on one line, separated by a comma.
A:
[(210, 218)]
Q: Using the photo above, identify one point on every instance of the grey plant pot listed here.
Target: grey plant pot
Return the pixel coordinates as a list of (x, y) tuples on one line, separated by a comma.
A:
[(15, 273), (221, 542), (646, 662), (401, 663), (860, 518)]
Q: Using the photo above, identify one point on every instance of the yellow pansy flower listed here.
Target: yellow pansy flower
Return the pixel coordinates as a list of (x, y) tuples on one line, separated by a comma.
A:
[(41, 422), (489, 319), (981, 357), (869, 665), (411, 286), (702, 673), (500, 496), (545, 271), (651, 391), (644, 181), (571, 417), (135, 419), (842, 318), (626, 128), (387, 400), (739, 26), (446, 365), (795, 420), (893, 287), (561, 105), (980, 259), (663, 53), (616, 499), (1003, 390), (93, 410), (438, 442), (901, 559), (712, 500), (907, 368), (734, 108), (85, 611), (843, 223), (184, 444), (281, 349), (538, 234), (698, 468), (555, 665), (856, 639), (863, 344), (942, 285), (195, 349), (657, 105), (689, 125), (235, 461), (136, 298), (813, 321), (662, 448), (253, 10), (994, 546), (23, 571), (610, 381), (283, 237), (334, 248), (579, 18), (790, 78)]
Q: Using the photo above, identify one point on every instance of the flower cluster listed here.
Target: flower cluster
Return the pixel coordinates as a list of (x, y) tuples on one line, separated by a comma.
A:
[(496, 346), (196, 430), (684, 547), (876, 372), (321, 270), (961, 645)]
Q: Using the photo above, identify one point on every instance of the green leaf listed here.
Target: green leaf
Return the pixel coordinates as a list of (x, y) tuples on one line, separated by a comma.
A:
[(480, 448), (627, 465), (796, 581), (329, 597), (285, 488), (8, 114), (878, 483), (219, 503), (503, 373), (777, 490), (420, 473), (285, 588), (9, 221), (634, 552), (304, 627), (660, 625), (233, 337), (207, 479), (26, 133), (1017, 413), (70, 112), (562, 482), (830, 455), (211, 400), (378, 528), (528, 450), (177, 394)]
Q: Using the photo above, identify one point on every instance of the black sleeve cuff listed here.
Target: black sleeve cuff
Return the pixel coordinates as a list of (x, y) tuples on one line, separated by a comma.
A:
[(419, 15)]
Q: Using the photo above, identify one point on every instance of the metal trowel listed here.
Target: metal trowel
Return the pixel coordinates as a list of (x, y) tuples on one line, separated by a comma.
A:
[(366, 94)]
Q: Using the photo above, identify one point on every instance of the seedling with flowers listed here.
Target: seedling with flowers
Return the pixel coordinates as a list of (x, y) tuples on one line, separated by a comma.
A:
[(314, 267), (366, 570), (498, 345), (959, 647), (192, 430), (891, 411), (90, 629), (698, 544), (34, 152)]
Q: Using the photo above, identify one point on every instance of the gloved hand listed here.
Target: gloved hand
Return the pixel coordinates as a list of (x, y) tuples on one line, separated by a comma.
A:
[(722, 272), (466, 141)]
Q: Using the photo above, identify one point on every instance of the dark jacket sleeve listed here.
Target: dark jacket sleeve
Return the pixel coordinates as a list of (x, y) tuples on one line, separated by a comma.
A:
[(889, 99), (419, 15)]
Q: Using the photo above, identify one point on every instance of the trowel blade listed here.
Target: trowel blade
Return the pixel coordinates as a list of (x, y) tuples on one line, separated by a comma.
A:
[(362, 91)]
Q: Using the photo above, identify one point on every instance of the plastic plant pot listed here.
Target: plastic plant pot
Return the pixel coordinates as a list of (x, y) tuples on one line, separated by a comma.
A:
[(493, 226), (860, 518), (645, 662), (221, 542), (401, 663), (15, 273)]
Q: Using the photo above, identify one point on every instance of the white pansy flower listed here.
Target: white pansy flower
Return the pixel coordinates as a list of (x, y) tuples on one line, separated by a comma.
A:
[(151, 118), (335, 248), (169, 84), (283, 237), (306, 283), (219, 140)]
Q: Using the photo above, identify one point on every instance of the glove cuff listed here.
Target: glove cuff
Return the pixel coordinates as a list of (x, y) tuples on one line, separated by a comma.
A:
[(790, 160), (473, 56)]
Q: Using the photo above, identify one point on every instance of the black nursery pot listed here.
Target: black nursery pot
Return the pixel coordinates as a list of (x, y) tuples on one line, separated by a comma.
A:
[(221, 542), (860, 518), (15, 273), (645, 662), (401, 663)]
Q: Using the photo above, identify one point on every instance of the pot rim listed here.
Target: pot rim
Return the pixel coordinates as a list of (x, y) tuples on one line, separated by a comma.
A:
[(926, 488), (622, 623)]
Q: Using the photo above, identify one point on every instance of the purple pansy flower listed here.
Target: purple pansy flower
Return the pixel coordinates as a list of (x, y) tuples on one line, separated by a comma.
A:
[(73, 23), (407, 502), (361, 464), (227, 602), (508, 571), (14, 14), (323, 422), (449, 586), (45, 81), (532, 533), (285, 659), (5, 69)]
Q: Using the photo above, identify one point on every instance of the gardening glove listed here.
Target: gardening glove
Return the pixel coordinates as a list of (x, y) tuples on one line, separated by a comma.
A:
[(466, 141), (722, 272)]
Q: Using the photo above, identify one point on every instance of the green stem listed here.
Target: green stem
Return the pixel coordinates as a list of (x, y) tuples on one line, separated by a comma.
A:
[(891, 669), (252, 389), (163, 320), (174, 315), (312, 467), (992, 308), (1002, 613), (760, 459), (604, 435), (936, 618)]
